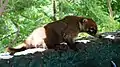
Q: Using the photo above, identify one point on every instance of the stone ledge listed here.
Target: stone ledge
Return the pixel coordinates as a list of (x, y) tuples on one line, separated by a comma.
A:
[(97, 53)]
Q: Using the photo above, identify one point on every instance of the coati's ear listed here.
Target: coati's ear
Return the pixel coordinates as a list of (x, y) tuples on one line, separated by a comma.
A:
[(84, 20)]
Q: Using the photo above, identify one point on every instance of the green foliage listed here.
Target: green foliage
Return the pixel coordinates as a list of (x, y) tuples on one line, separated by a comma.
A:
[(109, 26), (30, 14), (96, 9)]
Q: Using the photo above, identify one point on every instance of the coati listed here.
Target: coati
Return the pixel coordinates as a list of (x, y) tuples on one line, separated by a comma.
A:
[(67, 29), (52, 34)]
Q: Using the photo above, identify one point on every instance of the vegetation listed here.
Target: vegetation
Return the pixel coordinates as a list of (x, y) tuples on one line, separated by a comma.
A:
[(21, 17)]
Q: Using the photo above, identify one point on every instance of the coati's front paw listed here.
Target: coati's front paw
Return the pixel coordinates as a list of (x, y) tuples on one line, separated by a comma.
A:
[(62, 46)]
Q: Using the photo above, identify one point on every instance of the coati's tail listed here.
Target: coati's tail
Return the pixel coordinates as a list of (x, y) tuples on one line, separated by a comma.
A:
[(14, 50)]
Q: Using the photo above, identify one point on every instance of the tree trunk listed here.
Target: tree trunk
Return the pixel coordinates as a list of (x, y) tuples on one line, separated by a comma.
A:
[(2, 6), (54, 10), (110, 8)]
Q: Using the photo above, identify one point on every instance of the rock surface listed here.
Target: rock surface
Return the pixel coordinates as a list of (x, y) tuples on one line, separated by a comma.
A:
[(98, 52)]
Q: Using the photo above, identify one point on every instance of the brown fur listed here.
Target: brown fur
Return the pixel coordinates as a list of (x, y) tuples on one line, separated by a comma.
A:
[(64, 30), (67, 29)]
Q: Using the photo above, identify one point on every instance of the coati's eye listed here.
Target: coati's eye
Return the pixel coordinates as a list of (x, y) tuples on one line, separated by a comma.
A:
[(91, 31)]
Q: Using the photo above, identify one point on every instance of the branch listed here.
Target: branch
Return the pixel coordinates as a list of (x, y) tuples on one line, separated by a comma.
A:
[(16, 36), (17, 33), (7, 36)]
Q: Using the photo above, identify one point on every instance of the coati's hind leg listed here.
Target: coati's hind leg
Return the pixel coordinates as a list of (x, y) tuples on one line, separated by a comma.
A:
[(62, 46), (26, 45)]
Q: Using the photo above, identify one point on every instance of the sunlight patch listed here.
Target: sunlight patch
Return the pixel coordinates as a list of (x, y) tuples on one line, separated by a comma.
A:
[(30, 51), (5, 55), (110, 37), (83, 41)]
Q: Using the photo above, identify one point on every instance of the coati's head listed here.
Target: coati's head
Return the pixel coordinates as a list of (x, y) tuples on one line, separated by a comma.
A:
[(84, 24), (88, 25)]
